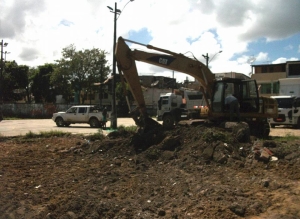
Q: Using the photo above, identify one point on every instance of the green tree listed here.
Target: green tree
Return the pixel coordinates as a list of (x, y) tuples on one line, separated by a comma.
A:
[(79, 70), (8, 82), (42, 90), (16, 81)]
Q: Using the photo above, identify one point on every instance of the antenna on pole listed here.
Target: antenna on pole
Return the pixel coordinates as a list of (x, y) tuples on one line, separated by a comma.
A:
[(250, 60)]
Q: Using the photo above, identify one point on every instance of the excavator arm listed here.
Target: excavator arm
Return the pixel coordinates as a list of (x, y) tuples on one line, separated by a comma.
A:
[(167, 59)]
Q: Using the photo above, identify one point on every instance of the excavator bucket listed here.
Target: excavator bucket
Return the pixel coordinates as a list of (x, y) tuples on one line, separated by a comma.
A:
[(143, 121)]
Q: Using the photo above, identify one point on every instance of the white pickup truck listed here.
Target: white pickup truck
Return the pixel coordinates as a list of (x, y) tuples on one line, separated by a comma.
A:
[(80, 114)]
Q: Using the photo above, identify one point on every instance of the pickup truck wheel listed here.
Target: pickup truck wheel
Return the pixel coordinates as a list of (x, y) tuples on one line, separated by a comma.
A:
[(60, 122), (168, 121), (272, 126), (94, 123)]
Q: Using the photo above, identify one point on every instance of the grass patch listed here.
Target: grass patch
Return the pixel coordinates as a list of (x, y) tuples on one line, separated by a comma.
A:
[(97, 136), (131, 129), (288, 137), (30, 134), (121, 128), (53, 133)]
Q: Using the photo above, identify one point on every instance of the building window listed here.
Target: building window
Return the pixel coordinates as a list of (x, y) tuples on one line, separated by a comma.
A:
[(264, 69), (276, 87), (266, 88), (294, 69)]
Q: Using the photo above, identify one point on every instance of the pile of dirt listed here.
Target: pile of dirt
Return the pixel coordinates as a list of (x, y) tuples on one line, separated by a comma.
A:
[(188, 172)]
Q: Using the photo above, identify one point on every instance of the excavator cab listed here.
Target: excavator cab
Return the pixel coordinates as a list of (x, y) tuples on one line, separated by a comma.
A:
[(244, 90)]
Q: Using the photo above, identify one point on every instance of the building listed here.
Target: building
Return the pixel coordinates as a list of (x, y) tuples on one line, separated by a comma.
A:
[(267, 76), (196, 85), (152, 87)]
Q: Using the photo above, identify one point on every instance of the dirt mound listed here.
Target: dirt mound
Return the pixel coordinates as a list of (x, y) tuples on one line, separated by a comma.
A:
[(188, 172)]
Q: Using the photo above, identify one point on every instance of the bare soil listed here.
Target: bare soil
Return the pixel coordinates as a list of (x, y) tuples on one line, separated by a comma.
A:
[(189, 172)]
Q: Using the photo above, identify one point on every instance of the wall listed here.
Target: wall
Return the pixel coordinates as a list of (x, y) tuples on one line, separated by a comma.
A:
[(268, 79), (269, 68), (23, 110), (45, 111)]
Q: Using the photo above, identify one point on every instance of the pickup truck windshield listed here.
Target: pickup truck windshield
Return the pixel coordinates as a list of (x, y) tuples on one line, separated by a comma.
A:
[(285, 102)]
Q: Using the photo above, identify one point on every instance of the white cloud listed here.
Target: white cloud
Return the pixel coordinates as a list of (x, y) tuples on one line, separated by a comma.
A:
[(37, 30), (280, 60), (288, 47), (283, 60), (262, 57)]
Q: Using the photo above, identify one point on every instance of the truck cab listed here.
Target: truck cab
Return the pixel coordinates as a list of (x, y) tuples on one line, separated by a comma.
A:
[(183, 104), (288, 112), (167, 104)]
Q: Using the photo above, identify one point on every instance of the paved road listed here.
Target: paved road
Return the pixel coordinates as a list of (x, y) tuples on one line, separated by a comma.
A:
[(21, 127)]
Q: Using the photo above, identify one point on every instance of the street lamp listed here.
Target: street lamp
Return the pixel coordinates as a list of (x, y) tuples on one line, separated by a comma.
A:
[(114, 111), (2, 67), (5, 55), (214, 56), (207, 57)]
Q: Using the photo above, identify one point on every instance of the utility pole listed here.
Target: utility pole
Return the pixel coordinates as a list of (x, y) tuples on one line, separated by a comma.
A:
[(114, 110), (116, 11), (206, 58), (1, 72)]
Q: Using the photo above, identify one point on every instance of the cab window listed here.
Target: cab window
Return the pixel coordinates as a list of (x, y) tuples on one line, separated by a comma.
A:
[(82, 110)]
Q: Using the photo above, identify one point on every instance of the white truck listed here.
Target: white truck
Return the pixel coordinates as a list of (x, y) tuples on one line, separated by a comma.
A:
[(288, 103), (288, 112), (91, 115), (289, 86), (183, 104)]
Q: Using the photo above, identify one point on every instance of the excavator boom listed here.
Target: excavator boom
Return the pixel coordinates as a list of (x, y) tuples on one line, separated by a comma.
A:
[(174, 61)]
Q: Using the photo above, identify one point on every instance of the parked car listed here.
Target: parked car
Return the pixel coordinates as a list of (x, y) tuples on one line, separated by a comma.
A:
[(91, 115)]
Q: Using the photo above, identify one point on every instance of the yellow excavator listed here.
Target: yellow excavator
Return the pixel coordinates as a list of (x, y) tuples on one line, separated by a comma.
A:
[(254, 110)]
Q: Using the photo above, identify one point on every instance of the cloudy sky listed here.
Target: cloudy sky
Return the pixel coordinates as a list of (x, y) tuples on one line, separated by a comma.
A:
[(246, 31)]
